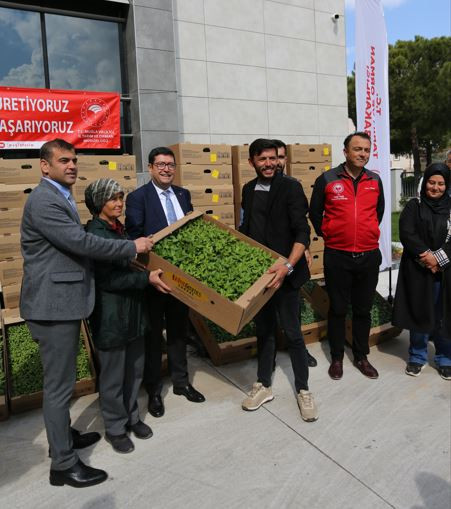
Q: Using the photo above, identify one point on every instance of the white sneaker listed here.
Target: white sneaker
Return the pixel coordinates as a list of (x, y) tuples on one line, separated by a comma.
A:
[(307, 406), (257, 397)]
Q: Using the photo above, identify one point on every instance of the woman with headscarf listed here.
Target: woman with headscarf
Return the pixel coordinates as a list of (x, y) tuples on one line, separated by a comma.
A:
[(119, 321), (423, 292)]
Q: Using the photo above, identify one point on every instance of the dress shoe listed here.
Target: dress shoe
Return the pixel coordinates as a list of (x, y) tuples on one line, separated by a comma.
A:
[(78, 476), (120, 443), (141, 430), (336, 369), (190, 393), (312, 362), (366, 368), (155, 406), (81, 441)]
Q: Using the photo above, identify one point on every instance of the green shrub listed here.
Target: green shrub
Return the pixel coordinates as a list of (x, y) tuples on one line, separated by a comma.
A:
[(306, 315)]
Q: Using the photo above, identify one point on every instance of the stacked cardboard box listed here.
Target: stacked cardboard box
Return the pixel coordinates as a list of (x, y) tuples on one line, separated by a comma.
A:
[(242, 173), (90, 168), (18, 177), (206, 171), (306, 163)]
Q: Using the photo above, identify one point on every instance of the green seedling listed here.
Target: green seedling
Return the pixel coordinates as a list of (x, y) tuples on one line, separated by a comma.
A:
[(215, 257), (25, 361)]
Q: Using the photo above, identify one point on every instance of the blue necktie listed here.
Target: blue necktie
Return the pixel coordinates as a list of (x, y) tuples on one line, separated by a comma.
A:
[(170, 211), (72, 202)]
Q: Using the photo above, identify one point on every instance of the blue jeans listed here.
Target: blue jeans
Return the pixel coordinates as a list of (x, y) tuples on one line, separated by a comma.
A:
[(419, 341)]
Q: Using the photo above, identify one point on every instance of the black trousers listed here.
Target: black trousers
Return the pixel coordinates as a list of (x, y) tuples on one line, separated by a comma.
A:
[(283, 307), (350, 280), (166, 311)]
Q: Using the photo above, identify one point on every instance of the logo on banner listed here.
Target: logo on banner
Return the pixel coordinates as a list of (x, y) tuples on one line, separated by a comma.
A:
[(95, 112)]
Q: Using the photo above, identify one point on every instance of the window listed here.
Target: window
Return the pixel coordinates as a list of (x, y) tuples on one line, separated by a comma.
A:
[(60, 51), (21, 64), (83, 54)]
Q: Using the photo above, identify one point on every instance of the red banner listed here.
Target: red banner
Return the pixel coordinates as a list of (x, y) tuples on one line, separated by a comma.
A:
[(31, 116)]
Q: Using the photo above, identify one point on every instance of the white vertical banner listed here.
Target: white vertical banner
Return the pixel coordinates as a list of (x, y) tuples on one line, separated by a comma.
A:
[(371, 90)]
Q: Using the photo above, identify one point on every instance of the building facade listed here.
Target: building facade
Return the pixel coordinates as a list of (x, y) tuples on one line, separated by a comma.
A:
[(203, 71)]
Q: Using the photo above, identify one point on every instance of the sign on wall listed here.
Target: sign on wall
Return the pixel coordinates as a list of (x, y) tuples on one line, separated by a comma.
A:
[(31, 116)]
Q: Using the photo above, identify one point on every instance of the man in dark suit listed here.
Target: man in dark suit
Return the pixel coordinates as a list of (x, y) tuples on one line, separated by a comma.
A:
[(57, 293), (275, 214), (148, 210)]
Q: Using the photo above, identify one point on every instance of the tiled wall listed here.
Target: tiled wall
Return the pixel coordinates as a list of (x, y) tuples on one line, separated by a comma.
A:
[(233, 70)]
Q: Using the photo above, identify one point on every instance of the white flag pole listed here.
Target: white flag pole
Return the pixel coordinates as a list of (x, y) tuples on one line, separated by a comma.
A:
[(371, 89)]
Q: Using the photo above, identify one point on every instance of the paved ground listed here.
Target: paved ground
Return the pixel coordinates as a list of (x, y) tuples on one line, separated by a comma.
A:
[(377, 444)]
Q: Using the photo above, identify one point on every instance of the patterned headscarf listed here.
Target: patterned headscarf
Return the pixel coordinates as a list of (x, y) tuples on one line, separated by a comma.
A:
[(99, 192)]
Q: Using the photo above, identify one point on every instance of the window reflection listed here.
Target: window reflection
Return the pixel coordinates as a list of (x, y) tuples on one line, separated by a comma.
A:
[(21, 62), (83, 54)]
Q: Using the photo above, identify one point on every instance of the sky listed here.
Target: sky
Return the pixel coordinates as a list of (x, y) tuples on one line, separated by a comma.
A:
[(404, 19)]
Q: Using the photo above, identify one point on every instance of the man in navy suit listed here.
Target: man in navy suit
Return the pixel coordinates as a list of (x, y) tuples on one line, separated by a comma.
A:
[(149, 209)]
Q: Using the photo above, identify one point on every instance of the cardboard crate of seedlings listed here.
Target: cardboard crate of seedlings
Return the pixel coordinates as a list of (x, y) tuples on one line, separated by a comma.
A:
[(25, 369), (313, 323), (231, 315), (381, 327), (223, 347)]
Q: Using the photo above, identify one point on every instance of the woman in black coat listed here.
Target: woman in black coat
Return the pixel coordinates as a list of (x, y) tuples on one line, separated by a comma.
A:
[(423, 292), (119, 322)]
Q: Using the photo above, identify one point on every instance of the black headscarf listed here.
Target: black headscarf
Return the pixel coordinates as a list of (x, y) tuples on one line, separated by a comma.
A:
[(434, 213)]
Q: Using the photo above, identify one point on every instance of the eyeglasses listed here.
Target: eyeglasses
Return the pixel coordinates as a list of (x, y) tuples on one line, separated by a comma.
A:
[(161, 166)]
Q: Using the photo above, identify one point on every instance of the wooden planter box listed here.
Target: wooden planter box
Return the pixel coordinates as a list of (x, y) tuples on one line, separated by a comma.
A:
[(25, 402)]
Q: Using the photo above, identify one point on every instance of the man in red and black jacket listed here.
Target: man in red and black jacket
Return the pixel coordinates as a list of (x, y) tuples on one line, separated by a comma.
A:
[(346, 209)]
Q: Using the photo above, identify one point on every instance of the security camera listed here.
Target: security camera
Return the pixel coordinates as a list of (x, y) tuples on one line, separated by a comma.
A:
[(335, 17)]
